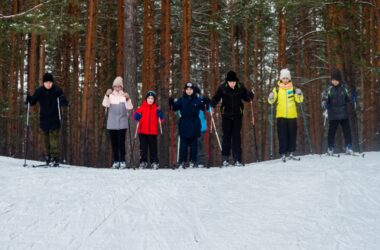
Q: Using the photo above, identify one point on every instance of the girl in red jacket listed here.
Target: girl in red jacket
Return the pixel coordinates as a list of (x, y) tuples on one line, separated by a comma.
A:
[(147, 115)]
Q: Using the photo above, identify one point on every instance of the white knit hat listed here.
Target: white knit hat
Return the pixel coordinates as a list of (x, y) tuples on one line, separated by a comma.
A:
[(285, 73), (118, 81)]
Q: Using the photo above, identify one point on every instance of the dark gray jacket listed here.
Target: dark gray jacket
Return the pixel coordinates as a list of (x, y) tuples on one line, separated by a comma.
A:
[(335, 100)]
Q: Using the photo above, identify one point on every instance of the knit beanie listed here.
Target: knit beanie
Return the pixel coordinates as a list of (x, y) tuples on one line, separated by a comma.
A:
[(150, 93), (118, 82), (285, 73), (231, 77), (48, 77), (336, 75), (189, 85)]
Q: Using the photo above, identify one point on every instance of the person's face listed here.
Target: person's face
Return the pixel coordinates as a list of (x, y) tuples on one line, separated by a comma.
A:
[(285, 80), (117, 88), (189, 91), (335, 82), (48, 84), (232, 84), (150, 100)]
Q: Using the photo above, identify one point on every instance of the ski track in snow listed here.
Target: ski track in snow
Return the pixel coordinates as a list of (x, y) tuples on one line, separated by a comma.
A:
[(315, 203)]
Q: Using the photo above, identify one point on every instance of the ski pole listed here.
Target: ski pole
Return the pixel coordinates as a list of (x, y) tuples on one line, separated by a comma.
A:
[(59, 109), (216, 131), (172, 135), (306, 128), (159, 122), (27, 134), (271, 132), (137, 128)]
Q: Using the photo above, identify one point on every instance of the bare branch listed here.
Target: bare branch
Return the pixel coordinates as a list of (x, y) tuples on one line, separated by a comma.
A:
[(25, 12)]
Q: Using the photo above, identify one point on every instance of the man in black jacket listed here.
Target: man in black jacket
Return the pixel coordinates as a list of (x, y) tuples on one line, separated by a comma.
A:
[(50, 98), (334, 103), (232, 93)]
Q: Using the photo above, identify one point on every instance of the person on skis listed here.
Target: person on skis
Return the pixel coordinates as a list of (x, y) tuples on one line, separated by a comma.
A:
[(335, 100), (286, 96), (148, 116), (189, 124), (232, 93), (51, 98), (201, 139), (118, 103)]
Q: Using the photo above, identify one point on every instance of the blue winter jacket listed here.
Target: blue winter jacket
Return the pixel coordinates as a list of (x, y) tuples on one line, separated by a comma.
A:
[(189, 124), (202, 117)]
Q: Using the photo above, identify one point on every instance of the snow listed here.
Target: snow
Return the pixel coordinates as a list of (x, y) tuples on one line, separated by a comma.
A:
[(316, 203)]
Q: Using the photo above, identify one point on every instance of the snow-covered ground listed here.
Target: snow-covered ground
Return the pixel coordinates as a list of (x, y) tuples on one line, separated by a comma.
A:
[(317, 203)]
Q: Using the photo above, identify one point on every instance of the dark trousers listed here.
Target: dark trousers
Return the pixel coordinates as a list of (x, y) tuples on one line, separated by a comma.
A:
[(333, 125), (231, 127), (187, 142), (148, 142), (51, 139), (201, 153), (287, 135), (118, 144)]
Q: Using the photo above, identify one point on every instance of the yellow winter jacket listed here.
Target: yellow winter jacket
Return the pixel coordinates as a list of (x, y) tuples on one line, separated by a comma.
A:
[(286, 100)]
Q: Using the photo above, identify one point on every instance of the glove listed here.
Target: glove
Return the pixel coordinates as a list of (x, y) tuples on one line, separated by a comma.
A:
[(298, 91), (108, 92), (271, 96), (206, 101), (137, 116), (251, 94), (28, 99), (325, 114), (160, 114), (171, 101), (126, 95)]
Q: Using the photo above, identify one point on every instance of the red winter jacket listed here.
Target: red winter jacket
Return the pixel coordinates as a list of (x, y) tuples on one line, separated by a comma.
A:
[(148, 123)]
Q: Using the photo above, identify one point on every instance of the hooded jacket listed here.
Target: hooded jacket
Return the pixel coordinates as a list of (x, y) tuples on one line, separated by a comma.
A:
[(286, 100), (118, 108), (335, 100), (148, 124), (49, 110)]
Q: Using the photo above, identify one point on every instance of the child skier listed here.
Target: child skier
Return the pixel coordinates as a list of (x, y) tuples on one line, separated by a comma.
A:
[(51, 98), (189, 125), (148, 115), (286, 113), (232, 93), (201, 153), (118, 104), (334, 104)]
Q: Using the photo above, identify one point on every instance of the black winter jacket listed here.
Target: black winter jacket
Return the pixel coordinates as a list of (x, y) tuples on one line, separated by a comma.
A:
[(48, 99), (189, 124), (335, 100), (232, 99)]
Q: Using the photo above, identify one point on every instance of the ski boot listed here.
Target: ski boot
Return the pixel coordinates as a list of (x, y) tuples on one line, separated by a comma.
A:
[(238, 164), (330, 151), (48, 159), (55, 162), (155, 165), (181, 165), (143, 165), (283, 157), (123, 165), (349, 150), (225, 162), (115, 165)]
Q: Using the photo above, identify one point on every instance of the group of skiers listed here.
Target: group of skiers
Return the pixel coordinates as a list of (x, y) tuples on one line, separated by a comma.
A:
[(191, 108)]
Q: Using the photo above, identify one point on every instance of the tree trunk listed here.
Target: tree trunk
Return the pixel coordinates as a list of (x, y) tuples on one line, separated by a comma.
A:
[(130, 63), (281, 39), (165, 66), (185, 52), (148, 47), (120, 39)]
